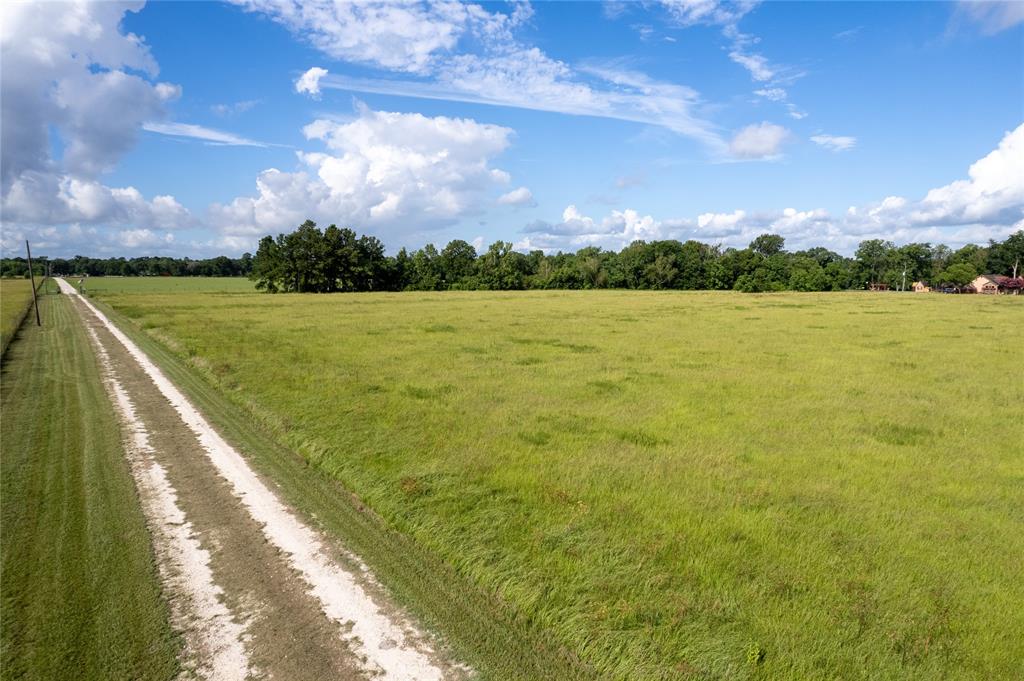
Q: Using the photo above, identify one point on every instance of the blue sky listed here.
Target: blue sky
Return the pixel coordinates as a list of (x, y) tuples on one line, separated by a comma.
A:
[(195, 128)]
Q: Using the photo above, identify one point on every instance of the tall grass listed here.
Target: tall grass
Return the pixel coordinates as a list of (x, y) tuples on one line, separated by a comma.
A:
[(673, 484)]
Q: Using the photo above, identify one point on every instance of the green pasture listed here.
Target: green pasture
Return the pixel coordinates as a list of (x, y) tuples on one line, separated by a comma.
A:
[(111, 285), (15, 299), (670, 484)]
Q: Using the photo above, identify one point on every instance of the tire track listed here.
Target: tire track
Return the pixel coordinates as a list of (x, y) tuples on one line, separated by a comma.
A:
[(214, 641)]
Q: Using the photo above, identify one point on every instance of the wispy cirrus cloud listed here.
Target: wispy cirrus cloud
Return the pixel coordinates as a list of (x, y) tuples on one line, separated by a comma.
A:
[(848, 34), (430, 59), (771, 77), (990, 16), (530, 80), (710, 12), (203, 134), (758, 66), (835, 142), (234, 108)]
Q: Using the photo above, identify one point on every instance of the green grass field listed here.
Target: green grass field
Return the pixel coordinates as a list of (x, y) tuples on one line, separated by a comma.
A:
[(108, 285), (15, 299), (79, 590), (702, 485)]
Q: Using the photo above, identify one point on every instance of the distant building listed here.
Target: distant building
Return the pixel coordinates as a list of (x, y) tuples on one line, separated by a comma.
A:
[(992, 284), (921, 287), (878, 286)]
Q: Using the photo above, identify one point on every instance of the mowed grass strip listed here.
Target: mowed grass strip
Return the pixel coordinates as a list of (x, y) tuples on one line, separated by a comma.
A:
[(15, 300), (79, 590), (672, 484)]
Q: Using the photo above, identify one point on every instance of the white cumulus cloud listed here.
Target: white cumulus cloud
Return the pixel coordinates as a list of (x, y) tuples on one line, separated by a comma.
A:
[(717, 225), (69, 67), (309, 82), (517, 197), (614, 231), (137, 238), (759, 141), (399, 172), (989, 204), (50, 199), (993, 192), (395, 35)]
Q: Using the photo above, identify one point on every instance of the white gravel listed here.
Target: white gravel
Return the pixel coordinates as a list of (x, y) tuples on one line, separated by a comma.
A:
[(387, 642), (214, 642)]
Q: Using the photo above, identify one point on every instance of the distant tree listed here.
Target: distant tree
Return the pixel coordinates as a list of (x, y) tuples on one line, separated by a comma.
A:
[(821, 255), (805, 274), (425, 270), (941, 255), (268, 266), (305, 255), (757, 281), (692, 261), (633, 261), (501, 268), (590, 267), (916, 260), (457, 262), (874, 258), (972, 255), (768, 245), (662, 273), (731, 266), (1003, 256), (958, 274), (841, 275), (338, 253), (372, 264), (398, 271)]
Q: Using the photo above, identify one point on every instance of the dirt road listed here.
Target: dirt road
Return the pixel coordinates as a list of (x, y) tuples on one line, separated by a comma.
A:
[(255, 591)]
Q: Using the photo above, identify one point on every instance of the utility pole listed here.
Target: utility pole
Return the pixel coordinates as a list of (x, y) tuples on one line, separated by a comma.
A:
[(32, 276), (903, 285)]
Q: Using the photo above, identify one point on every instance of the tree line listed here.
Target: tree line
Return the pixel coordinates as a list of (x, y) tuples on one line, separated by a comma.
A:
[(310, 259), (149, 266), (337, 259)]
